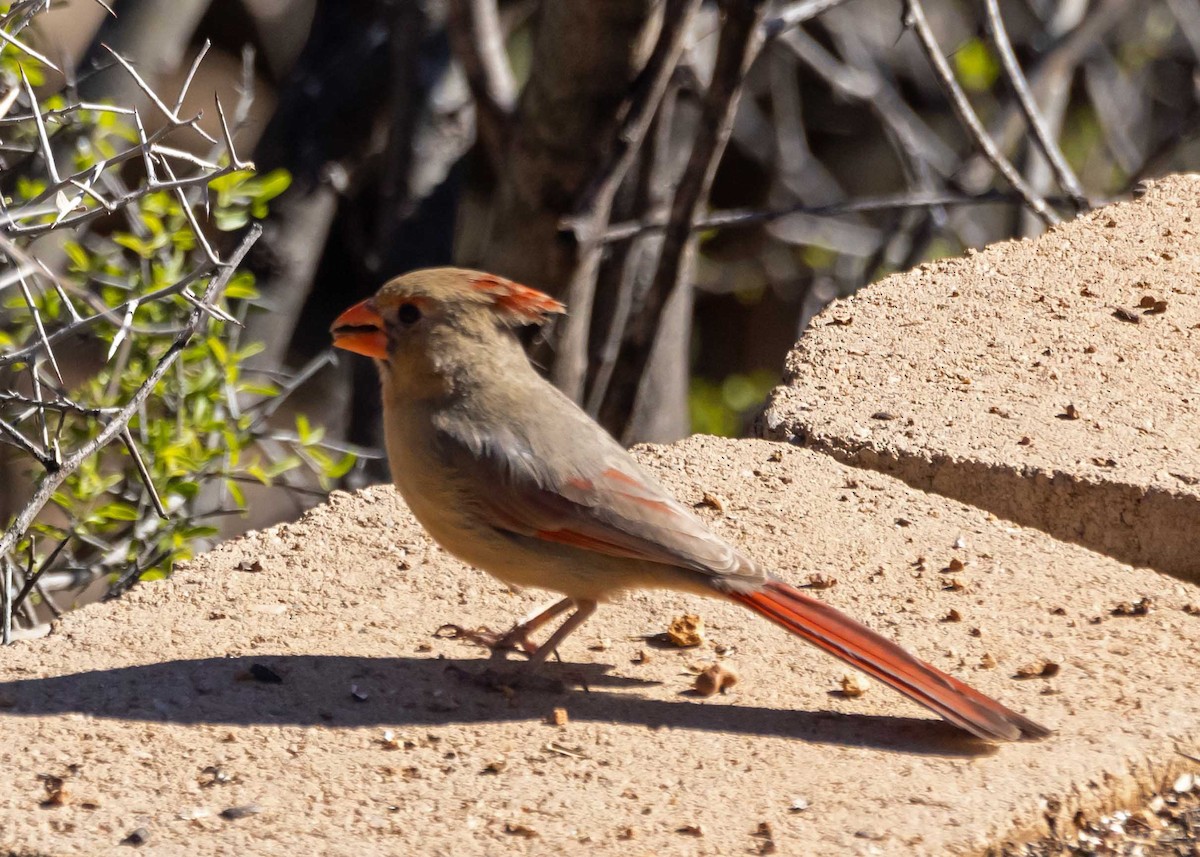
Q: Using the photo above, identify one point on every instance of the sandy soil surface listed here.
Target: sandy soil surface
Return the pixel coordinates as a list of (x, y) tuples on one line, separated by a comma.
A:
[(290, 693), (1054, 382), (295, 692)]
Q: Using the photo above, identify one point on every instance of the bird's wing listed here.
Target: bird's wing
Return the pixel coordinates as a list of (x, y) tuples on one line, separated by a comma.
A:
[(601, 502)]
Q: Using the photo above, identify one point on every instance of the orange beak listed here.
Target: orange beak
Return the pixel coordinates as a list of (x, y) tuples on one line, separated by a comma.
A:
[(361, 329)]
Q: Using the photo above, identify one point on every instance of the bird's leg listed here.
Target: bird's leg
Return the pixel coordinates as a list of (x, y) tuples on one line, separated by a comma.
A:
[(583, 609), (518, 637)]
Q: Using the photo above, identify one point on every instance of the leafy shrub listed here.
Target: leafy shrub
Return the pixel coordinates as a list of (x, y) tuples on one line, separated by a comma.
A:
[(108, 271)]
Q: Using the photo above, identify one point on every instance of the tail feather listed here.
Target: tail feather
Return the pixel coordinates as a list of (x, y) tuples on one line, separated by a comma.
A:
[(862, 648)]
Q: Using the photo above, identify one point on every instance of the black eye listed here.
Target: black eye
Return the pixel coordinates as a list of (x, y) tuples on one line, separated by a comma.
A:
[(408, 314)]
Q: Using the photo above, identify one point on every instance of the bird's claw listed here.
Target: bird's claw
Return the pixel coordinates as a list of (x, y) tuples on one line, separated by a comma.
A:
[(516, 639)]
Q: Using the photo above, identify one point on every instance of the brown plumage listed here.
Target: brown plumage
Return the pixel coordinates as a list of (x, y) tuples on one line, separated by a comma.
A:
[(509, 475)]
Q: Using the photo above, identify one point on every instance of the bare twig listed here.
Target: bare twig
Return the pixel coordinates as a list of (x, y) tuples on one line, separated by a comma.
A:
[(61, 404), (732, 218), (6, 600), (863, 84), (33, 579), (43, 137), (171, 115), (794, 14), (739, 40), (1055, 65), (19, 440), (9, 39), (120, 421), (187, 80), (915, 18), (592, 212), (629, 259), (41, 330), (127, 439), (267, 407), (1065, 176), (478, 42)]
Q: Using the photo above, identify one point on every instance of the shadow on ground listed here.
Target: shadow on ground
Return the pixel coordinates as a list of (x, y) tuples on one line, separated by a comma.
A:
[(320, 690)]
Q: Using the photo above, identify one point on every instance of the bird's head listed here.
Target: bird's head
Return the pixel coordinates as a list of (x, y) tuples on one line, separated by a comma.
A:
[(420, 327)]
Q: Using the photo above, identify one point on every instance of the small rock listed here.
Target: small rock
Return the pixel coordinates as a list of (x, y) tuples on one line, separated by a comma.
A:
[(715, 679), (234, 813), (686, 631), (1141, 607), (853, 685), (137, 837), (713, 501), (1037, 669)]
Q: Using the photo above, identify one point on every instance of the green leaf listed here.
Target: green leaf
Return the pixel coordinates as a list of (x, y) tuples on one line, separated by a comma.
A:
[(256, 470), (228, 220), (303, 429), (229, 181), (241, 287), (341, 467), (975, 66), (235, 491), (80, 261), (272, 184), (116, 512)]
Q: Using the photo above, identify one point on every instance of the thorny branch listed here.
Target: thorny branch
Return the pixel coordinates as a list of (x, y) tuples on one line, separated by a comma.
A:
[(33, 419), (119, 421)]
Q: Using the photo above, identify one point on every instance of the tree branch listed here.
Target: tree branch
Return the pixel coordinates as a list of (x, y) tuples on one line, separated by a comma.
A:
[(739, 39), (593, 211), (732, 218), (914, 14), (1065, 176), (478, 42), (120, 421), (794, 14)]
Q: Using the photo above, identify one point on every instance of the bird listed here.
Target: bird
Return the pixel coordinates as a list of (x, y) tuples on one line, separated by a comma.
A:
[(507, 473)]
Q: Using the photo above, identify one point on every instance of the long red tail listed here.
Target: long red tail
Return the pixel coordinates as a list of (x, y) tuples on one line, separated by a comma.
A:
[(859, 646)]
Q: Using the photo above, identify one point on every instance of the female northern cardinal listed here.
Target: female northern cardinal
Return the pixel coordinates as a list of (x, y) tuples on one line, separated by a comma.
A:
[(505, 472)]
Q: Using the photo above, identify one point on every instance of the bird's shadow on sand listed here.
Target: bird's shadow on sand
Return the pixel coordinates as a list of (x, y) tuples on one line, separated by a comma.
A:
[(335, 691)]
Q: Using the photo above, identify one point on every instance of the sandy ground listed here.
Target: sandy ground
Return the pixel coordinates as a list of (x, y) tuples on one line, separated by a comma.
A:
[(1053, 382), (289, 692), (292, 693)]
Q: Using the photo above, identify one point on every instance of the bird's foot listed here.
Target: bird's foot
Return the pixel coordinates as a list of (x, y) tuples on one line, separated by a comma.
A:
[(516, 639)]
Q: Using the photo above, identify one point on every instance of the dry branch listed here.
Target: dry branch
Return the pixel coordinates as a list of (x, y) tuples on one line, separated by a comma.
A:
[(739, 40), (1066, 177), (592, 213), (915, 18), (478, 42), (119, 421)]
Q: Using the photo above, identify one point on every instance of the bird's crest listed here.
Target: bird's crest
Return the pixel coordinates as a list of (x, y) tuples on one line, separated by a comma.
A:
[(516, 303)]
